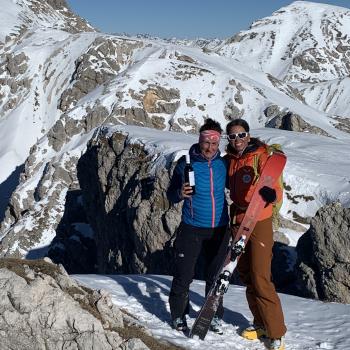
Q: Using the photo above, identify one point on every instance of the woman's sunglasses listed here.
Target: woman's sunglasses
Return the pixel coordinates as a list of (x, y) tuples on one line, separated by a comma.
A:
[(240, 135)]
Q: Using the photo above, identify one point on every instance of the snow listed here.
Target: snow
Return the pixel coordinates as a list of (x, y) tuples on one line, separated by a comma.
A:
[(311, 324), (292, 235), (21, 129), (10, 21)]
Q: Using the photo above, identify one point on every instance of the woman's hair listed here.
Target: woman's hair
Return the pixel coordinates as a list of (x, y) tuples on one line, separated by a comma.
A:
[(239, 122), (211, 124)]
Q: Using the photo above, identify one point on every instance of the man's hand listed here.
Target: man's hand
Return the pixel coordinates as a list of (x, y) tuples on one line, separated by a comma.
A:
[(186, 190), (268, 194)]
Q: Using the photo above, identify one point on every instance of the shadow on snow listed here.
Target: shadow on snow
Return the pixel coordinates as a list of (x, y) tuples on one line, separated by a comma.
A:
[(153, 301)]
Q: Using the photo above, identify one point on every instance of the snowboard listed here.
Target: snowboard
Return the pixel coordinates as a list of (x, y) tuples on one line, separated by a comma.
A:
[(269, 175)]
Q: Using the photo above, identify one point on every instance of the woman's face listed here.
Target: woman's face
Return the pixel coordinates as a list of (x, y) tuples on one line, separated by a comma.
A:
[(238, 138)]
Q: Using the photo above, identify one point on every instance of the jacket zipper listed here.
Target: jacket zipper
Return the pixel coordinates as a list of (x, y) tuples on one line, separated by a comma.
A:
[(212, 195)]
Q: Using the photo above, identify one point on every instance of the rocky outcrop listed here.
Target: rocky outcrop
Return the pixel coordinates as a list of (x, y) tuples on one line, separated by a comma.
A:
[(124, 194), (342, 123), (66, 127), (43, 308), (152, 101), (14, 84), (16, 64), (280, 119), (323, 265), (231, 111), (157, 99), (184, 123), (286, 88), (72, 24), (28, 222), (103, 61)]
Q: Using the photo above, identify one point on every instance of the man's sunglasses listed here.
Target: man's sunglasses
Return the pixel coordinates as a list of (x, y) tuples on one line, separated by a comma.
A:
[(240, 135)]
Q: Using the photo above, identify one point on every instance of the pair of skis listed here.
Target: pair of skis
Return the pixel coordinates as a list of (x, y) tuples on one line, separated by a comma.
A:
[(272, 170)]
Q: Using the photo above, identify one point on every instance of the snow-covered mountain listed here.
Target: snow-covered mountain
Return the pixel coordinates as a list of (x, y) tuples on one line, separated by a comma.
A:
[(302, 44), (63, 83)]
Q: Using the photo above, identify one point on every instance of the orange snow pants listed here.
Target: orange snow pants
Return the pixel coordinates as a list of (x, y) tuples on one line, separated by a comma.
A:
[(254, 267)]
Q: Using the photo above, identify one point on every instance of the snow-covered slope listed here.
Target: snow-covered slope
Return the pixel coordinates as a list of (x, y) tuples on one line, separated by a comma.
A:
[(18, 18), (332, 96), (37, 53), (312, 325)]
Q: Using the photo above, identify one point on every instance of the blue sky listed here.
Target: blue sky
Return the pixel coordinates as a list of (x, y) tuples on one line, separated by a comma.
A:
[(179, 18)]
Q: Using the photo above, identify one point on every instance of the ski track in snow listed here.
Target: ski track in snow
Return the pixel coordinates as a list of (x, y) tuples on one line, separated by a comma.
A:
[(311, 324)]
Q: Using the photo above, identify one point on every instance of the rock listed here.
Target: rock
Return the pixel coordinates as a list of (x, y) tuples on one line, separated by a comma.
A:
[(42, 309), (323, 266), (16, 64), (137, 116), (42, 208), (232, 112), (157, 99), (57, 136), (122, 189), (112, 53), (280, 119)]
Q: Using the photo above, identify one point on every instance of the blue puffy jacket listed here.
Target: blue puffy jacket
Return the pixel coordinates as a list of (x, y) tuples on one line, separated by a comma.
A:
[(208, 207)]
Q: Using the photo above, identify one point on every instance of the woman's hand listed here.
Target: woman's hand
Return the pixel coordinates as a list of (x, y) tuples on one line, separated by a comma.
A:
[(268, 194)]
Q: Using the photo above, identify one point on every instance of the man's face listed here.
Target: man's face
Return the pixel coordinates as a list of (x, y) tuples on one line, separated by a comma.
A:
[(209, 148)]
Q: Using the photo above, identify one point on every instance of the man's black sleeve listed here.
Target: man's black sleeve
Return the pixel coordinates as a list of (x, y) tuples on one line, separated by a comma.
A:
[(174, 190)]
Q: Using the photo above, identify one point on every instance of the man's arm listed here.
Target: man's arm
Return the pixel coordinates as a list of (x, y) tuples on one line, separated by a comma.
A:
[(174, 192)]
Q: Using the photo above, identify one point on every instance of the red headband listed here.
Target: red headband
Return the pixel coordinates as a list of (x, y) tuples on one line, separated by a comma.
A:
[(209, 135)]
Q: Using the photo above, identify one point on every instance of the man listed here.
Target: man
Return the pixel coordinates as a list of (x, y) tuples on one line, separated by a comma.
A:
[(204, 220)]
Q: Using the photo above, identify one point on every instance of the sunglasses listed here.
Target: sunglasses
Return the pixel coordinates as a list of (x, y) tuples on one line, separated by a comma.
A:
[(240, 135)]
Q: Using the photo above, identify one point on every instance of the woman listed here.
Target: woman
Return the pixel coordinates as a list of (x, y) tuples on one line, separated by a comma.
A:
[(246, 157)]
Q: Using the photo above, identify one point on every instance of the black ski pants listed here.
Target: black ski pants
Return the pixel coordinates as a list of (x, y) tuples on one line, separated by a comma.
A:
[(190, 241)]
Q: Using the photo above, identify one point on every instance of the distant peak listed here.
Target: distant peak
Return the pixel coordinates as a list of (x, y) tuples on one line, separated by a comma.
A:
[(311, 4)]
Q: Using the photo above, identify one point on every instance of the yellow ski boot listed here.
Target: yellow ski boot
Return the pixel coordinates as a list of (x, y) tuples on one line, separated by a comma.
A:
[(253, 332)]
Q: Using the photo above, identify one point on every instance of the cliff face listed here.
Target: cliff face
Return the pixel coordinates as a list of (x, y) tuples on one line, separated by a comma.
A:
[(124, 194)]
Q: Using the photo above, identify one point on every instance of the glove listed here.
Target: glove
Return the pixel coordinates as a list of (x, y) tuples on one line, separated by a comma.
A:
[(268, 194)]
